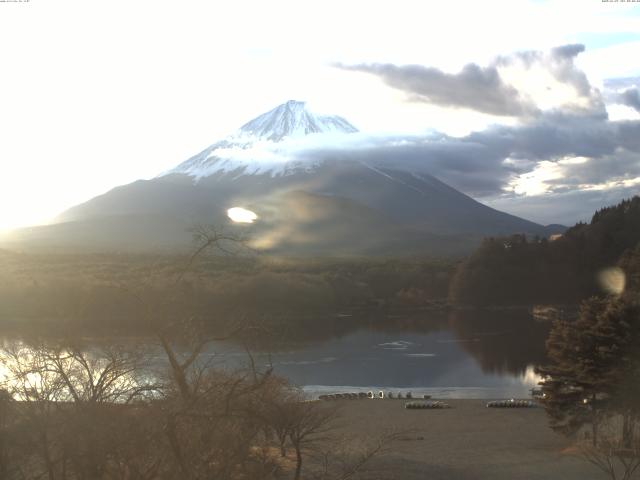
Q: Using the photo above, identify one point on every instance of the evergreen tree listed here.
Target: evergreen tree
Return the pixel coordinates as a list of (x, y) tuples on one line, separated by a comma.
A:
[(630, 265), (594, 372)]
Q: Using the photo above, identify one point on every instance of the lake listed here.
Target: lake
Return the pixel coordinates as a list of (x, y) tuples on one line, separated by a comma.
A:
[(459, 354)]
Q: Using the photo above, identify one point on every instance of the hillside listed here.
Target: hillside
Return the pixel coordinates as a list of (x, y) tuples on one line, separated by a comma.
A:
[(516, 270)]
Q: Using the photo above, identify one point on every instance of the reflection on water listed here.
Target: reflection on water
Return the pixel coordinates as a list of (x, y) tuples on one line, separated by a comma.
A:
[(465, 354), (502, 342)]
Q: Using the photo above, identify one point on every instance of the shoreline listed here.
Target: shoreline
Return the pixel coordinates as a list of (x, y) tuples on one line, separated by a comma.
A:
[(521, 392)]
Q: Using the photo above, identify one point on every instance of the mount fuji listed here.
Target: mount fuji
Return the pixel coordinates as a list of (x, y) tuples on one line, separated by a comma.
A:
[(310, 188), (265, 145)]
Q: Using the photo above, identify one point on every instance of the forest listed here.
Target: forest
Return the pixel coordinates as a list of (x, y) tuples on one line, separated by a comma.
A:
[(517, 270), (102, 292)]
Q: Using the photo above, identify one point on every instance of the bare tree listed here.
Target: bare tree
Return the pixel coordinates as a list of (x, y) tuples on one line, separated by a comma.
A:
[(7, 422), (616, 456), (278, 408), (30, 381), (311, 422), (72, 404), (347, 457)]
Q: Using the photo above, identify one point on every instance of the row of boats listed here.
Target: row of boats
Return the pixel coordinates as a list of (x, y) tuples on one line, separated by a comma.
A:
[(512, 404), (370, 395), (426, 405)]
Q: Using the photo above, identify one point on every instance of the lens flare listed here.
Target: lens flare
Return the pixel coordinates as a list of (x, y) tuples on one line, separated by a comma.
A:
[(612, 280), (241, 215)]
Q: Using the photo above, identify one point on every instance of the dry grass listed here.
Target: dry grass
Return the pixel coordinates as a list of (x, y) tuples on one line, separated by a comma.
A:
[(466, 442)]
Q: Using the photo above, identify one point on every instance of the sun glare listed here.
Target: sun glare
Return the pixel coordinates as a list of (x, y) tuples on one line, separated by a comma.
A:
[(241, 215), (612, 280)]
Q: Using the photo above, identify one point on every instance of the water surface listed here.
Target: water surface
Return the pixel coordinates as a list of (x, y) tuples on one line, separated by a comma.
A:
[(461, 354)]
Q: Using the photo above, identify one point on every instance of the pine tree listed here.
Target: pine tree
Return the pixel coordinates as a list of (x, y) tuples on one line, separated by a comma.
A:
[(594, 372)]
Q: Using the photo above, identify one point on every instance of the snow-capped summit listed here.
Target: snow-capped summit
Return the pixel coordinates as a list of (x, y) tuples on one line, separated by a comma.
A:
[(293, 119), (260, 146)]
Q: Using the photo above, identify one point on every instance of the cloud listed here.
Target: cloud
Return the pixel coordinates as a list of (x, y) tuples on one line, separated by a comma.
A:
[(631, 98), (621, 83), (475, 87), (597, 173), (523, 84), (545, 160), (553, 156), (623, 91), (606, 151), (559, 61), (567, 51), (564, 208)]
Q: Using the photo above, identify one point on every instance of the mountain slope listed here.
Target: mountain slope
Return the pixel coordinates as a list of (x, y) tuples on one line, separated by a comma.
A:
[(419, 200), (315, 204)]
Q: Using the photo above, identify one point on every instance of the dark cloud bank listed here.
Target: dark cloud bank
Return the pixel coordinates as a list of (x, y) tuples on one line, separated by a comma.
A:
[(482, 88), (483, 163), (475, 87)]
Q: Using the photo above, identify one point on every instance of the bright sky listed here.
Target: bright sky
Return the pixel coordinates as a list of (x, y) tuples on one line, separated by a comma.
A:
[(94, 94)]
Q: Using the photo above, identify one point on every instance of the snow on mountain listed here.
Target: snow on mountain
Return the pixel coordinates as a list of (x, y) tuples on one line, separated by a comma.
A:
[(266, 144), (293, 119)]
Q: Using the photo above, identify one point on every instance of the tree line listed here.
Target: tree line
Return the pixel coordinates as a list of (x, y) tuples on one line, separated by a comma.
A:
[(519, 270), (91, 292)]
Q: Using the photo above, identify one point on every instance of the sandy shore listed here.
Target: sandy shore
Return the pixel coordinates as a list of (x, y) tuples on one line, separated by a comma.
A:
[(466, 442)]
